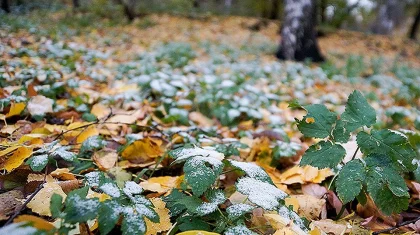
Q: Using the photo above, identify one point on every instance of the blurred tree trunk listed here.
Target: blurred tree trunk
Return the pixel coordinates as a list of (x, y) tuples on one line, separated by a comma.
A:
[(196, 4), (323, 9), (228, 6), (390, 15), (298, 34), (415, 26), (275, 6), (128, 7), (76, 4), (5, 6)]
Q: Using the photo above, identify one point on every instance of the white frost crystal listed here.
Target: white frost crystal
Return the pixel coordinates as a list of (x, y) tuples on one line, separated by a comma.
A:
[(40, 105)]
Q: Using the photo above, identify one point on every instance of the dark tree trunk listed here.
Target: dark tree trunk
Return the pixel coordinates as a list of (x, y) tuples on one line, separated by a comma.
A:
[(390, 15), (275, 5), (196, 4), (5, 6), (128, 9), (298, 34), (415, 26), (323, 9), (76, 4)]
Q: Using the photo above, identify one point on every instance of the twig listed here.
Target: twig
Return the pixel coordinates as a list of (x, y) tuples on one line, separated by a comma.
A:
[(355, 152), (396, 226), (40, 186)]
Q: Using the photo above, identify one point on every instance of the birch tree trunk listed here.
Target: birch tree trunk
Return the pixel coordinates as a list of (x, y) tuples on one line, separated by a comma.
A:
[(390, 15), (298, 34)]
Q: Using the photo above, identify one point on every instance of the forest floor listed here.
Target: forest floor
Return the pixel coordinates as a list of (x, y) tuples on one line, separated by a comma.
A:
[(114, 101)]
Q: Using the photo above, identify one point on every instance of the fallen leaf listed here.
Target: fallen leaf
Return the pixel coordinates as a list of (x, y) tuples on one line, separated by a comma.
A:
[(143, 150), (40, 204), (40, 105), (35, 221), (16, 109), (17, 158), (164, 218), (100, 110), (161, 184), (8, 202), (306, 205), (331, 227), (105, 158)]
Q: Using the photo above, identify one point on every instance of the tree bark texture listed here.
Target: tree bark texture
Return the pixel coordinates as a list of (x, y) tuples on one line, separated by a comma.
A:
[(390, 15)]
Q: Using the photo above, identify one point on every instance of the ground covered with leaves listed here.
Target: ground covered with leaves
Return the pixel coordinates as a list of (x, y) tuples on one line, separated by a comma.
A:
[(173, 124)]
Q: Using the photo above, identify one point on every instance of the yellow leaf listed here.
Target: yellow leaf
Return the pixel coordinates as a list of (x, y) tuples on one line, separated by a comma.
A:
[(161, 184), (86, 133), (197, 232), (307, 205), (8, 150), (285, 225), (28, 137), (18, 157), (40, 204), (164, 218), (143, 150), (16, 109), (36, 222)]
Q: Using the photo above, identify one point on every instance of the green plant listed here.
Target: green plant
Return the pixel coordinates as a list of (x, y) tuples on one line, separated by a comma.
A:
[(387, 154)]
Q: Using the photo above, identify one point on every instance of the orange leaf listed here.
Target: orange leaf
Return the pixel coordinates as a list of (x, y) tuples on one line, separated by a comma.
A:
[(36, 222), (18, 157)]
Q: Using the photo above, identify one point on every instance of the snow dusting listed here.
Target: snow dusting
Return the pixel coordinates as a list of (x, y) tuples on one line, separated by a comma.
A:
[(110, 189)]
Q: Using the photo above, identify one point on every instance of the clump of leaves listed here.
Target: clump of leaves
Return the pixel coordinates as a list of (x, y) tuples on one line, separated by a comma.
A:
[(387, 153), (126, 203), (198, 204)]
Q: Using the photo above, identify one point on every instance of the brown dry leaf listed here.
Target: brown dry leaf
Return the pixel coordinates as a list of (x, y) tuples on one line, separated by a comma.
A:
[(36, 222), (161, 184), (164, 218), (105, 158), (39, 177), (8, 202), (306, 205), (143, 150), (331, 227), (16, 109), (200, 119), (315, 190), (40, 204), (17, 158)]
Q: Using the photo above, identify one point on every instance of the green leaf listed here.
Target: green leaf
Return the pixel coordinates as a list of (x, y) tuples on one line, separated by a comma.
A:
[(202, 172), (56, 205), (323, 155), (238, 210), (358, 113), (62, 151), (92, 143), (215, 198), (38, 162), (261, 193), (293, 216), (389, 143), (79, 208), (187, 223), (108, 215), (318, 122), (350, 180), (386, 187), (251, 170), (132, 223), (172, 202)]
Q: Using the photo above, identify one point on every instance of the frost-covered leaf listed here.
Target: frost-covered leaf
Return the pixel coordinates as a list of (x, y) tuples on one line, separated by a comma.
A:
[(18, 228), (62, 151), (252, 170), (390, 143), (38, 162), (324, 154), (202, 172), (318, 122), (108, 215), (111, 189), (132, 223), (40, 105), (182, 154), (350, 180), (239, 229), (358, 113), (238, 210), (78, 208), (215, 198), (93, 178), (285, 149), (131, 188), (92, 143), (291, 216), (261, 193)]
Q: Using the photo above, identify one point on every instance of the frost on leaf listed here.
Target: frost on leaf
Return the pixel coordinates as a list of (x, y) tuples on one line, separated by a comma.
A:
[(291, 216), (251, 170), (181, 154), (238, 210), (132, 188), (40, 105), (111, 189), (239, 230), (261, 193), (62, 151), (92, 178), (215, 198), (38, 162), (79, 208)]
